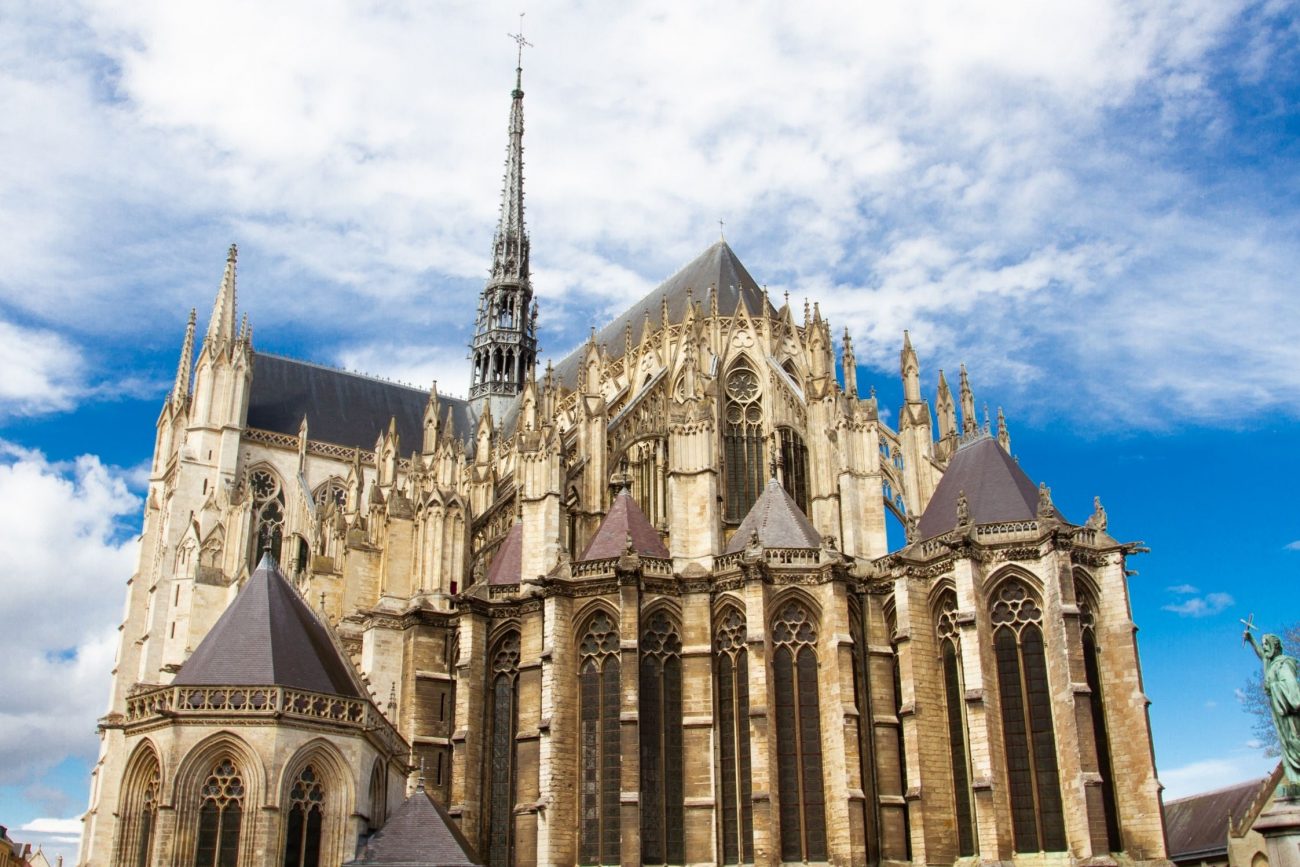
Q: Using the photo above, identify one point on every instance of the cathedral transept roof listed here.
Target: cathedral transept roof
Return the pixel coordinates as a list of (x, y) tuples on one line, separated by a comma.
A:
[(269, 637), (778, 522), (995, 487)]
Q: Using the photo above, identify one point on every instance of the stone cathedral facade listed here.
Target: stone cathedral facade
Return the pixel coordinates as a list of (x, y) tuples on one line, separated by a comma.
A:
[(637, 607)]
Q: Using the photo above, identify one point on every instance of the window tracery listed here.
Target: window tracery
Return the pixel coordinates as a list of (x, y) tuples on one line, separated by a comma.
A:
[(331, 492), (306, 809), (1037, 818), (221, 805), (503, 721), (954, 684), (599, 763), (662, 800), (743, 467), (268, 516), (798, 735), (142, 820), (1097, 696), (731, 667), (794, 467)]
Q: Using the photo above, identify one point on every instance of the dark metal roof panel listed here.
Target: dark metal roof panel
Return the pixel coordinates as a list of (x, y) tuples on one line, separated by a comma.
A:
[(778, 521), (623, 520), (717, 267), (508, 563), (269, 637), (1197, 826), (420, 833), (343, 408), (996, 489)]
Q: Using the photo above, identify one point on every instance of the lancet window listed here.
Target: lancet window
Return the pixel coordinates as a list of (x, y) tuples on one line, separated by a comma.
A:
[(862, 705), (378, 798), (645, 463), (794, 467), (1033, 781), (798, 735), (742, 441), (221, 812), (662, 803), (598, 750), (306, 811), (503, 724), (731, 664), (954, 686), (142, 816), (1101, 737), (268, 516)]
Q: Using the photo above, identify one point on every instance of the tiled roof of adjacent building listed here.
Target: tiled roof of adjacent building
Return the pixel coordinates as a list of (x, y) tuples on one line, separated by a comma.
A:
[(778, 521), (1197, 826), (418, 834), (343, 408), (624, 520), (717, 267), (508, 562), (269, 637), (996, 489)]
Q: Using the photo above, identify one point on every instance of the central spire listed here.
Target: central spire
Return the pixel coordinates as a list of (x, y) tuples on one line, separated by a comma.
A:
[(505, 332)]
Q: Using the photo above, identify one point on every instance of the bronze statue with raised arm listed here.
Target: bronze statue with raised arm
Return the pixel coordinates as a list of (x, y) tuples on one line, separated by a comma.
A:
[(1282, 684)]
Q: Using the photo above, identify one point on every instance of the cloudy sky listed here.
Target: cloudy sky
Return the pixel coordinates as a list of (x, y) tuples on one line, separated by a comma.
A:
[(1095, 204)]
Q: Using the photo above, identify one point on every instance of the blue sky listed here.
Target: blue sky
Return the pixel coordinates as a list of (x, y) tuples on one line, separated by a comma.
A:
[(1095, 205)]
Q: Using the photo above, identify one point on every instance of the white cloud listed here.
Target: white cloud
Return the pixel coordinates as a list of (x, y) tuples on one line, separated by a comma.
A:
[(68, 556), (1182, 589), (1201, 606), (1205, 775), (1292, 546), (43, 371)]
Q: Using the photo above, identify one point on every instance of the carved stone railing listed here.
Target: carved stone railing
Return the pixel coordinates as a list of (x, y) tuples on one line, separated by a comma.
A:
[(316, 447), (1006, 528), (261, 701), (800, 557), (659, 567)]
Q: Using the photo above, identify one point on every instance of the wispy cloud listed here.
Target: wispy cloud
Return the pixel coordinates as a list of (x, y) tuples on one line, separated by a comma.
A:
[(1214, 773), (1183, 589), (1292, 546), (1201, 606)]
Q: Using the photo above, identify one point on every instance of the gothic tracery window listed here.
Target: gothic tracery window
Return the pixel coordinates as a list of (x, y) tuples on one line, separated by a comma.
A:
[(794, 467), (662, 803), (1037, 819), (798, 735), (645, 463), (503, 723), (598, 778), (268, 516), (1101, 737), (862, 705), (732, 678), (954, 685), (742, 441), (302, 837), (221, 808), (331, 492), (142, 817)]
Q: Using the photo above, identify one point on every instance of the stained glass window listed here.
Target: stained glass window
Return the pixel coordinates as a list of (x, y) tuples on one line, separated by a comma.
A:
[(798, 735), (662, 803), (598, 751)]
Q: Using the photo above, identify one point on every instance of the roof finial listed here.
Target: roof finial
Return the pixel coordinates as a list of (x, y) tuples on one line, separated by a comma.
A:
[(722, 235), (522, 43)]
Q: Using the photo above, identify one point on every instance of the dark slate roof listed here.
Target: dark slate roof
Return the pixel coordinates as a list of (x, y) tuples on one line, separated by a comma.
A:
[(418, 834), (1197, 826), (269, 637), (625, 519), (996, 489), (342, 408), (717, 266), (508, 562), (778, 521)]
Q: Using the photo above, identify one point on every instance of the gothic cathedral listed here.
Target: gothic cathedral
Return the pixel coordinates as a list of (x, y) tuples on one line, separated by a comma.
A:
[(637, 607)]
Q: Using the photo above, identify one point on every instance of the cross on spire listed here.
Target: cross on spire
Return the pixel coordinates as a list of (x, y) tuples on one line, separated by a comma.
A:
[(721, 225), (520, 41)]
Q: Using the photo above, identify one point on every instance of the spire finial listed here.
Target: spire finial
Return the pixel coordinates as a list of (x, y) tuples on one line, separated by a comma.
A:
[(722, 235), (522, 43), (181, 388)]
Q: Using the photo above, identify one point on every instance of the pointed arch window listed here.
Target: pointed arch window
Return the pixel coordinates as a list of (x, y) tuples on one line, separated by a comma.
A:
[(900, 741), (954, 687), (503, 724), (598, 749), (798, 735), (742, 441), (332, 492), (1101, 737), (645, 463), (221, 813), (306, 812), (862, 705), (731, 674), (794, 467), (1037, 820), (268, 516), (662, 800), (378, 799), (142, 815)]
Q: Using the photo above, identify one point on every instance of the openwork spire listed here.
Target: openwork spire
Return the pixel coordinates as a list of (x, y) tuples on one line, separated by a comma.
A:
[(221, 327)]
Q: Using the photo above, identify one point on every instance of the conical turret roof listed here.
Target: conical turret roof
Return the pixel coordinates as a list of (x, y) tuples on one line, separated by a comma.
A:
[(270, 637), (778, 522), (508, 562), (624, 521), (996, 489), (418, 834)]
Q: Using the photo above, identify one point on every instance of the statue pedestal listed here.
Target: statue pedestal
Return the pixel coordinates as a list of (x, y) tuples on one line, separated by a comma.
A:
[(1280, 825)]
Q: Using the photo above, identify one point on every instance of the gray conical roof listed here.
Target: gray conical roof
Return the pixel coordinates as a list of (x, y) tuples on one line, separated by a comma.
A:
[(996, 489), (625, 520), (718, 266), (418, 834), (508, 562), (269, 637), (779, 522)]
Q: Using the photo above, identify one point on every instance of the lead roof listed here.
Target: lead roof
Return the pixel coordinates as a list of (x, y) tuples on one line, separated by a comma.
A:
[(996, 489), (269, 637), (778, 521), (418, 834), (622, 522), (1197, 826)]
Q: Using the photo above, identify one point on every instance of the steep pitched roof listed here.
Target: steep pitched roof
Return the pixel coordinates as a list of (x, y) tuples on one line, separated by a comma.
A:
[(996, 489), (778, 521), (508, 562), (269, 637), (624, 519), (718, 266), (1197, 826), (418, 834), (342, 408)]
